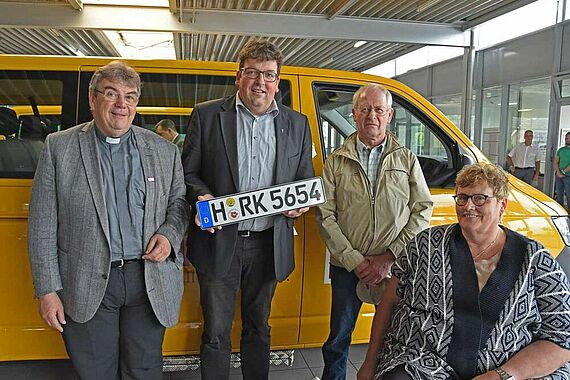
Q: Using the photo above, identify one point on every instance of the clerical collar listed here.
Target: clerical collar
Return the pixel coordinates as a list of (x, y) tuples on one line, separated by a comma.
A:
[(112, 140)]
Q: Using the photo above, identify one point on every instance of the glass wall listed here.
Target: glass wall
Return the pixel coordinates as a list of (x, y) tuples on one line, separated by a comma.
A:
[(528, 109), (490, 123)]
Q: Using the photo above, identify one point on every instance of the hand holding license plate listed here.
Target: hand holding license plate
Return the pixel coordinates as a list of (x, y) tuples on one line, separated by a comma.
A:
[(273, 200)]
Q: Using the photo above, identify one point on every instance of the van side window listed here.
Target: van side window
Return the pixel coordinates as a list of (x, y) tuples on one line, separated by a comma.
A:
[(173, 96), (31, 104), (435, 150)]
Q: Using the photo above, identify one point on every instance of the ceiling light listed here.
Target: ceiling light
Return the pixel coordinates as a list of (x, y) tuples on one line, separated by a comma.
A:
[(358, 44), (525, 110)]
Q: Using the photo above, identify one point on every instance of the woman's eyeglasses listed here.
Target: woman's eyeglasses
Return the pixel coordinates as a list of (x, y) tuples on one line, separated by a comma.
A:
[(477, 199)]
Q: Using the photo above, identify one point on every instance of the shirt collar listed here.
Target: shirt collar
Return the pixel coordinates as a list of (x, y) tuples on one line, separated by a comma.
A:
[(273, 109), (175, 137), (360, 146)]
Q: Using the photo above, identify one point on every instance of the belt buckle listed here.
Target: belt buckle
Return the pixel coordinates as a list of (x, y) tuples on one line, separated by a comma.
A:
[(121, 263), (245, 233)]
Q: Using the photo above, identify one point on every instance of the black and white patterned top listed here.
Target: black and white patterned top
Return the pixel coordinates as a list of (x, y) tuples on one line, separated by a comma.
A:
[(537, 307)]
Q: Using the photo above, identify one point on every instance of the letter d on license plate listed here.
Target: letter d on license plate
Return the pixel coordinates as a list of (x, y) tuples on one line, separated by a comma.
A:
[(257, 203)]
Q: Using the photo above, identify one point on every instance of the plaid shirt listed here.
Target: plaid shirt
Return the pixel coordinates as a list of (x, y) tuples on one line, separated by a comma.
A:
[(370, 159)]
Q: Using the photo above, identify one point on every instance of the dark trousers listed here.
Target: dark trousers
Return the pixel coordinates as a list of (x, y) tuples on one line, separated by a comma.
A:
[(252, 271), (344, 313), (124, 338), (398, 373), (563, 191)]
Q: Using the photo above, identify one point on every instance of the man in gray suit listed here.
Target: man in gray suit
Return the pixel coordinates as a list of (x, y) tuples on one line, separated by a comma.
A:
[(244, 142), (107, 216)]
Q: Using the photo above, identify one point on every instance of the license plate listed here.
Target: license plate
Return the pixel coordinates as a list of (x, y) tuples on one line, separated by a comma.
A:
[(273, 200)]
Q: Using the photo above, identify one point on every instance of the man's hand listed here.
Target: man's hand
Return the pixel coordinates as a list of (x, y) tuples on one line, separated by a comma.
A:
[(51, 311), (360, 268), (379, 268), (158, 249), (197, 219), (296, 213), (559, 174)]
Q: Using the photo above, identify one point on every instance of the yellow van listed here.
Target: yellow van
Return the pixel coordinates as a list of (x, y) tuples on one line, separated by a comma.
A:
[(301, 307)]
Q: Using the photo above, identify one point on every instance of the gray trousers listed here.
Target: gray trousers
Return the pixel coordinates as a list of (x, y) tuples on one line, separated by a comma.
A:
[(525, 174), (124, 338), (252, 271)]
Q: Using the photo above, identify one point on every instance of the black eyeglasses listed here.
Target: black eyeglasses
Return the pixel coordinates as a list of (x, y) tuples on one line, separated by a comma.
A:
[(111, 95), (477, 199), (251, 73)]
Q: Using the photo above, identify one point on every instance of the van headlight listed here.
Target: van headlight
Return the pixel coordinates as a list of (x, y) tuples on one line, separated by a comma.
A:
[(562, 224)]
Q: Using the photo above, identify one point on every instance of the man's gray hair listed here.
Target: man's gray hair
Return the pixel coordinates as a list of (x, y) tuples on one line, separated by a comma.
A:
[(116, 71), (372, 86)]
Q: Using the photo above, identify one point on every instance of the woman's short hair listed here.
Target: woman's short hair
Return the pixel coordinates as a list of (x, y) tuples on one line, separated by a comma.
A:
[(116, 71), (491, 174)]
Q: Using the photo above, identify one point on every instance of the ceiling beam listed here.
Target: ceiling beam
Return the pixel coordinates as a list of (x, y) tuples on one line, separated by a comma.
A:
[(268, 24)]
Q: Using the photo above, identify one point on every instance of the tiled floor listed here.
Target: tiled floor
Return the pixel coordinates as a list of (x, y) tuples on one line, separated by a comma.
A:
[(308, 363)]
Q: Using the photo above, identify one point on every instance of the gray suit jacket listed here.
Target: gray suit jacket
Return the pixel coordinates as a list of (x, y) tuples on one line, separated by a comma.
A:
[(68, 229), (211, 166)]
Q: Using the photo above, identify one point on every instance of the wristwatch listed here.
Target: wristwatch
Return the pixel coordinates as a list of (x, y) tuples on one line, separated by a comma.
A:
[(504, 374)]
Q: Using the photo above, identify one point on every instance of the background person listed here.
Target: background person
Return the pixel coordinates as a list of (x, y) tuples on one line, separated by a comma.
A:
[(244, 142), (107, 215), (524, 160), (377, 200), (562, 169), (167, 130), (473, 300)]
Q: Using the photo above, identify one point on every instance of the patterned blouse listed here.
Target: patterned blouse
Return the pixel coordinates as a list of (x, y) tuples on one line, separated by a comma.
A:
[(527, 298)]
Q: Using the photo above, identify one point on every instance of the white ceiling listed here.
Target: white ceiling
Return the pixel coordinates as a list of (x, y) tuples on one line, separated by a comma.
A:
[(311, 32)]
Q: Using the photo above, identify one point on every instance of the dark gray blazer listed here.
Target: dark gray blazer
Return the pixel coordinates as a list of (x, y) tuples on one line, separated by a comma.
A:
[(210, 161), (68, 230)]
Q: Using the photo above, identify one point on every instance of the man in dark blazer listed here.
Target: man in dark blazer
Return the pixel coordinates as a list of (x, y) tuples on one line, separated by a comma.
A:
[(244, 142), (107, 216)]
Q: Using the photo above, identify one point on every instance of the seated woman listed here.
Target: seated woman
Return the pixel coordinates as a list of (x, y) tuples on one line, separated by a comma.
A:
[(472, 300)]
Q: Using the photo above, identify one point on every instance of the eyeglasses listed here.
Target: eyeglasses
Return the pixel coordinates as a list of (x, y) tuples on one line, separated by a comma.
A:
[(251, 73), (477, 199), (377, 110), (111, 95)]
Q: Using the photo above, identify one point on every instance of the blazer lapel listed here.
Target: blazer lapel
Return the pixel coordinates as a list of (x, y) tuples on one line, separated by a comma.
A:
[(149, 165), (282, 126), (228, 126), (90, 158)]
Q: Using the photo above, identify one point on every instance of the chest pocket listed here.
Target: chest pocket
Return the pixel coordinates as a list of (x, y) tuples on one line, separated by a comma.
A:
[(396, 184)]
